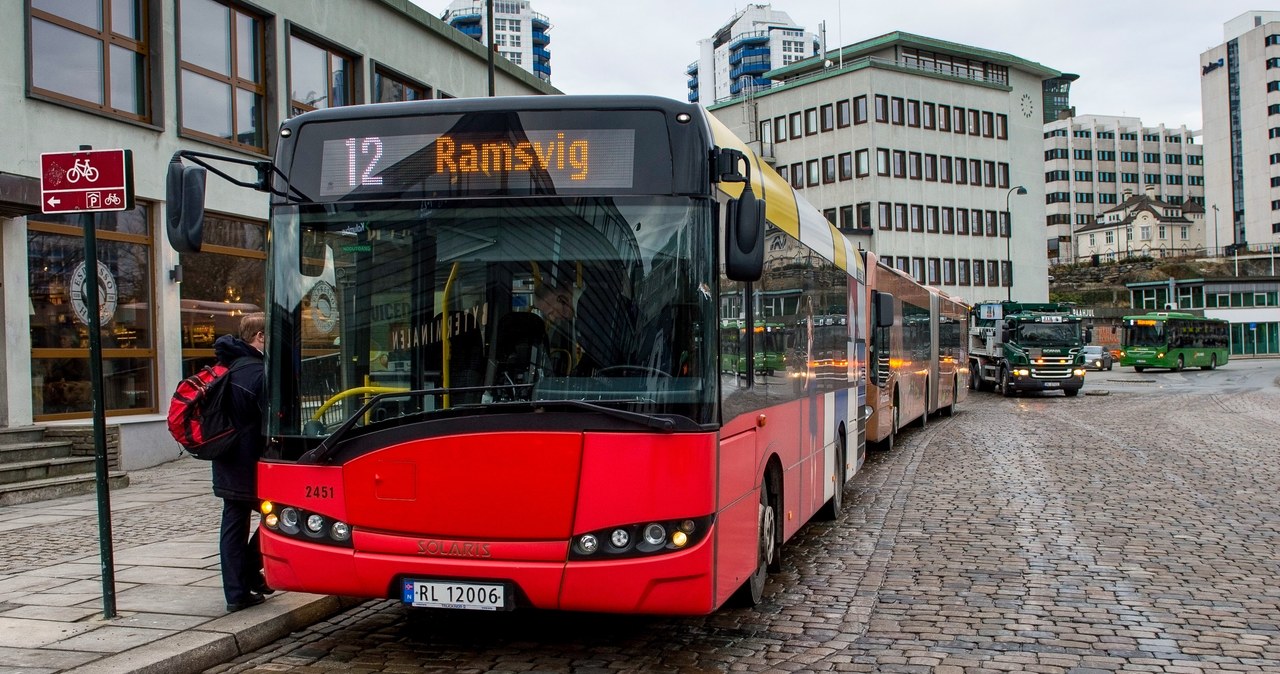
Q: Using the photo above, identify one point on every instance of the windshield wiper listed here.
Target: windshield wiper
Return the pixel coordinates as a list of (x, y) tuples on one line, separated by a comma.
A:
[(651, 421)]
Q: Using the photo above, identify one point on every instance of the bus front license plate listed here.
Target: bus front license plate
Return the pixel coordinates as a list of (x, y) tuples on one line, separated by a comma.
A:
[(1051, 384), (456, 595)]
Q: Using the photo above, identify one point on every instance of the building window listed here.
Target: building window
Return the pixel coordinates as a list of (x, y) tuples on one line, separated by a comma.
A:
[(916, 218), (932, 271), (895, 111), (948, 272), (319, 77), (827, 117), (931, 219), (796, 129), (221, 63), (60, 386), (957, 120), (389, 87), (914, 168), (810, 121), (882, 161), (780, 129), (1002, 127), (860, 110), (993, 273), (797, 175), (812, 172), (828, 169), (886, 215), (900, 217), (962, 272), (899, 163), (846, 163), (913, 113), (929, 115), (846, 218), (931, 167), (842, 112), (862, 163), (944, 168), (864, 215), (948, 219), (978, 279), (221, 284), (1006, 273), (92, 53), (962, 221), (944, 117), (882, 108)]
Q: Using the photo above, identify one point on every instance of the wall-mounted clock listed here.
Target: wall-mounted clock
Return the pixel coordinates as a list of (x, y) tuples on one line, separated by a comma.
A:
[(1028, 106)]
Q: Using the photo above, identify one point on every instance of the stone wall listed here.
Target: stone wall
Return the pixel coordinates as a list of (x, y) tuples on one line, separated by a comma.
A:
[(81, 438)]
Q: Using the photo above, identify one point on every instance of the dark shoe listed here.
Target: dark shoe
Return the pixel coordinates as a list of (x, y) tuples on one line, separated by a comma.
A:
[(252, 600), (261, 587)]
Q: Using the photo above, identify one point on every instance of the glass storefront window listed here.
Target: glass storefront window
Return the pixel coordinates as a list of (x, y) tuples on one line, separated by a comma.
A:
[(222, 283), (59, 318)]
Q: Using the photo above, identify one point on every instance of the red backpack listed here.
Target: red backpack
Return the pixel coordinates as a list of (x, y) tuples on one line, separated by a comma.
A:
[(200, 411)]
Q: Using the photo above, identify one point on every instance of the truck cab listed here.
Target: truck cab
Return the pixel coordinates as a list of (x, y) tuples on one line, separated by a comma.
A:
[(1020, 346)]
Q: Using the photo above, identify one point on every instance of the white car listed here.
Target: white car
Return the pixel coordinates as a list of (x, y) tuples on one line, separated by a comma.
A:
[(1097, 358)]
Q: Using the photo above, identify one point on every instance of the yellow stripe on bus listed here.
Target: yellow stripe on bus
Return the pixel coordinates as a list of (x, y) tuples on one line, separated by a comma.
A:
[(779, 199)]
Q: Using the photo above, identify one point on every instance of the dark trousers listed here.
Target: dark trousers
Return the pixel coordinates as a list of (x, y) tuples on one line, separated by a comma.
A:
[(238, 551)]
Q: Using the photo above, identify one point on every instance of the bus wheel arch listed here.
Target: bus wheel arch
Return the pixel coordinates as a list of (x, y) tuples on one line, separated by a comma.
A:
[(1213, 363), (950, 408)]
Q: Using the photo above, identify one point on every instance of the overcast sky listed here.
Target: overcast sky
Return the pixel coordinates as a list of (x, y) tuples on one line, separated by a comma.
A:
[(1135, 59)]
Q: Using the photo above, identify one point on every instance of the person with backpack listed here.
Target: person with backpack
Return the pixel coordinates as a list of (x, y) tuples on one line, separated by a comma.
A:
[(235, 472)]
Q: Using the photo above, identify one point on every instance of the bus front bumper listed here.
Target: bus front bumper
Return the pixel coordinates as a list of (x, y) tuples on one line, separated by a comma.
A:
[(676, 583)]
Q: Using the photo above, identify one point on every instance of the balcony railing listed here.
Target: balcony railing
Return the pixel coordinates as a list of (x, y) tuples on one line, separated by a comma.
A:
[(749, 38), (862, 63), (738, 55), (692, 68), (540, 37)]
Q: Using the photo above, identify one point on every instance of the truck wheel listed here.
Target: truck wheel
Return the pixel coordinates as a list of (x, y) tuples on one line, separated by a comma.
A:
[(1005, 389)]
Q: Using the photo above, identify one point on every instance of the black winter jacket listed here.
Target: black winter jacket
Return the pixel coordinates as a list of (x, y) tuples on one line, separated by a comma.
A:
[(235, 474)]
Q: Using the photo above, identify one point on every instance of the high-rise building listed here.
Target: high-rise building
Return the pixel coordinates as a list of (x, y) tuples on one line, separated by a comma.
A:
[(1091, 161), (733, 61), (519, 33), (1240, 102), (930, 153)]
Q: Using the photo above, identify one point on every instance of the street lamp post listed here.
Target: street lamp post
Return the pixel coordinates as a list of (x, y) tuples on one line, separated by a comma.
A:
[(1216, 252), (1008, 241)]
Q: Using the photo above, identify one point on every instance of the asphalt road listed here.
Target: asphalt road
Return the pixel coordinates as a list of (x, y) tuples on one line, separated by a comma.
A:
[(1136, 530)]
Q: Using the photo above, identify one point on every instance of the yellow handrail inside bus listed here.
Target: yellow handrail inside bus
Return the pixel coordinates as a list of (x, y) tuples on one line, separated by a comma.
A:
[(357, 391), (444, 332)]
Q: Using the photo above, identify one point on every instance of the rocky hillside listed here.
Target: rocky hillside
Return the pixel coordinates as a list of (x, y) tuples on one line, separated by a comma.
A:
[(1104, 285)]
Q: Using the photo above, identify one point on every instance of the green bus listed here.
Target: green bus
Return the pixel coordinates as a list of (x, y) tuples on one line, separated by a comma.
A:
[(1174, 340)]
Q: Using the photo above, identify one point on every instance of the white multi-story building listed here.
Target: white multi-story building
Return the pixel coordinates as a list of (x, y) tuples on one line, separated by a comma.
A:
[(1142, 225), (155, 77), (927, 152), (733, 61), (519, 33), (1091, 161), (1240, 100)]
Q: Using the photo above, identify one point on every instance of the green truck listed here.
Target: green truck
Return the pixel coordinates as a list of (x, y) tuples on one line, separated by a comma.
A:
[(1024, 346)]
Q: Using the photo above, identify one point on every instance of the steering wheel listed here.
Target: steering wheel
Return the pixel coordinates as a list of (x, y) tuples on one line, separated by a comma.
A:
[(604, 371)]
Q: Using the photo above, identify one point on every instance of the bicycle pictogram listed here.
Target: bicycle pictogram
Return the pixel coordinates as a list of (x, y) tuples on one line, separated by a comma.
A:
[(112, 199), (82, 169)]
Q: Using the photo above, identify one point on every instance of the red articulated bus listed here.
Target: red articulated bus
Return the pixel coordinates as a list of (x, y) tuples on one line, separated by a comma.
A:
[(916, 351), (440, 436)]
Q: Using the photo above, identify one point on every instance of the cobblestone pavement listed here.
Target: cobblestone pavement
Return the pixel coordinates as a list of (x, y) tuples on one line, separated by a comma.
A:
[(1135, 532)]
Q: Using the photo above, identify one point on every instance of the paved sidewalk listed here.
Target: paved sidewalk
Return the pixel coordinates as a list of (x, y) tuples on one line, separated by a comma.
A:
[(171, 616)]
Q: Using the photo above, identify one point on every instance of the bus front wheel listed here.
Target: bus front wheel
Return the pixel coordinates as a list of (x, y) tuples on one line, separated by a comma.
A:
[(767, 556), (1213, 363)]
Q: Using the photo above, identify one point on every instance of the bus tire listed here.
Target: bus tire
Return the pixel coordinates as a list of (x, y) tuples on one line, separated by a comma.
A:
[(1213, 363), (1138, 368), (950, 410), (1178, 366), (923, 421), (767, 554), (831, 509)]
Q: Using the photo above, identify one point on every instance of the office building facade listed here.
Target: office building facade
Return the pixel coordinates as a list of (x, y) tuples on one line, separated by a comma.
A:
[(733, 61), (519, 33), (1091, 161), (214, 76), (1240, 100), (917, 149)]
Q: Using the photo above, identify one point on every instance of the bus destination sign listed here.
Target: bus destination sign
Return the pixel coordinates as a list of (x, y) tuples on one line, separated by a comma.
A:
[(541, 161)]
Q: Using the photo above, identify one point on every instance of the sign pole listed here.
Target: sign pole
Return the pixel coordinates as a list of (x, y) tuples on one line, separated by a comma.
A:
[(91, 300)]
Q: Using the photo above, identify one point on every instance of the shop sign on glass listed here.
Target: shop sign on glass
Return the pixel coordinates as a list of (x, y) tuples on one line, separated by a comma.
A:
[(86, 181)]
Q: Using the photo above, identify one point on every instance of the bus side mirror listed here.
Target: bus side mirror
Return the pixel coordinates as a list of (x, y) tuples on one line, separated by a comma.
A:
[(744, 238), (882, 309), (184, 206)]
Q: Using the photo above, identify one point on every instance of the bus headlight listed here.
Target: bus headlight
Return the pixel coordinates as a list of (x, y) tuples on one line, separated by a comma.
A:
[(641, 539), (297, 523)]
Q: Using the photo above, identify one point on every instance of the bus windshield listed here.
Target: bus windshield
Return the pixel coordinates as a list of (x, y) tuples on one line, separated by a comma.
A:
[(471, 306), (1049, 334), (1145, 333)]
